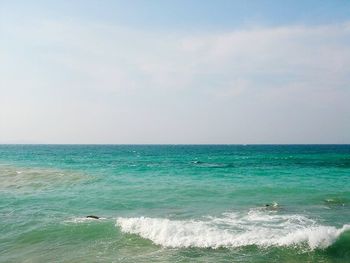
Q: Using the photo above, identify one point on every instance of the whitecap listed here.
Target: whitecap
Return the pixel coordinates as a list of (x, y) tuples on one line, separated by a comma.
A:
[(233, 230)]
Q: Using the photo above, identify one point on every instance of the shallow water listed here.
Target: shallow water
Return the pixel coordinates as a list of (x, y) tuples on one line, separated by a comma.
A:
[(175, 203)]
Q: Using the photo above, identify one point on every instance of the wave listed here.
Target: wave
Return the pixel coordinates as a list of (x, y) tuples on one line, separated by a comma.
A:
[(84, 220), (212, 164), (234, 230)]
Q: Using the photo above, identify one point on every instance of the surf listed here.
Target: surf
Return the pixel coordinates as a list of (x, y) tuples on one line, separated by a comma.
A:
[(233, 230)]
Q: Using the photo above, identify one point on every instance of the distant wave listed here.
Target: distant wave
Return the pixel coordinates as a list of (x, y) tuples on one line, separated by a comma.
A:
[(84, 220), (213, 165), (234, 230)]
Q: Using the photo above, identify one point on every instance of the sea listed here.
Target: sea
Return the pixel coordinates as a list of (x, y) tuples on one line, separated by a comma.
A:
[(175, 203)]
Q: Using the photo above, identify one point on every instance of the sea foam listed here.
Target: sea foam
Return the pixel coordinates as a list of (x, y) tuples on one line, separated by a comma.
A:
[(234, 230), (84, 220)]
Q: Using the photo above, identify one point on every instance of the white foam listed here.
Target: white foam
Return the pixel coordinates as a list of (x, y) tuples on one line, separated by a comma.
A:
[(315, 237), (83, 220), (233, 230)]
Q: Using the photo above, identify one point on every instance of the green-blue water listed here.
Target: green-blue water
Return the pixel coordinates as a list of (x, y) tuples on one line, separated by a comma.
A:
[(175, 203)]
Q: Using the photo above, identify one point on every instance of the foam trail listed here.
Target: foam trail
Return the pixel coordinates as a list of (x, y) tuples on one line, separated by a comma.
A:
[(233, 231), (84, 219)]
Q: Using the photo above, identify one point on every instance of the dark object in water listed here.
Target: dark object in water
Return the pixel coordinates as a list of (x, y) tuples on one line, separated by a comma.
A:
[(94, 217), (272, 206)]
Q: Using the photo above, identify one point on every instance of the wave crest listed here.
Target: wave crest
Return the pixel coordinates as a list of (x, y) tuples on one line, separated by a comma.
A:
[(233, 230)]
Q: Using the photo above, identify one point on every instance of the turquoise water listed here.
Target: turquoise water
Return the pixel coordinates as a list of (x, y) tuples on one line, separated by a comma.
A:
[(175, 203)]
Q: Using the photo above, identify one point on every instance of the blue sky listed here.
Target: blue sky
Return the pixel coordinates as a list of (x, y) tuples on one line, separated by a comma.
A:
[(175, 71), (184, 14)]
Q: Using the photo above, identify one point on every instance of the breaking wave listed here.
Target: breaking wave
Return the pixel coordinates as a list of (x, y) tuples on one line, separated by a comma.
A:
[(263, 229)]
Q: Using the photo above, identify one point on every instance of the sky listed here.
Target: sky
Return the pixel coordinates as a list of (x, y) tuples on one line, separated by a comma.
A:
[(175, 72)]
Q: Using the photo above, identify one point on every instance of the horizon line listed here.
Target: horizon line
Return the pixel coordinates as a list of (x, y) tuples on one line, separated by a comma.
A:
[(169, 144)]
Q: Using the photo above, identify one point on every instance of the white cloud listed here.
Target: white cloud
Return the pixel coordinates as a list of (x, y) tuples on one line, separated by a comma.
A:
[(247, 86)]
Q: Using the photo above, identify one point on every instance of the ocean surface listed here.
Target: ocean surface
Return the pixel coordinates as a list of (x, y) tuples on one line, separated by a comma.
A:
[(175, 203)]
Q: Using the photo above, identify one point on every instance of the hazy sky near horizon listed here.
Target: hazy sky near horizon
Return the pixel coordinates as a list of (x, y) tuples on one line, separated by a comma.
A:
[(163, 71)]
